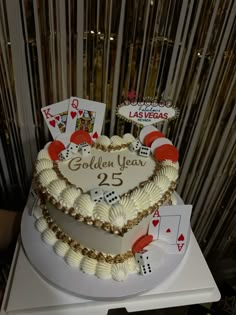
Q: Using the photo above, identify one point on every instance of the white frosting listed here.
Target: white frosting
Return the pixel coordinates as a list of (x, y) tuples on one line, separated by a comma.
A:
[(170, 163), (88, 265), (84, 205), (170, 172), (61, 248), (119, 272), (43, 154), (116, 140), (47, 176), (153, 191), (43, 164), (49, 237), (162, 182), (128, 204), (37, 212), (41, 224), (56, 187), (103, 270), (69, 195), (128, 137), (101, 211), (132, 265), (103, 140), (73, 258), (141, 199), (117, 215)]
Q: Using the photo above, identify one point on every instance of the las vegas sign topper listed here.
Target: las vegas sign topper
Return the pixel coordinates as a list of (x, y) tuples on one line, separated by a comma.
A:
[(148, 111)]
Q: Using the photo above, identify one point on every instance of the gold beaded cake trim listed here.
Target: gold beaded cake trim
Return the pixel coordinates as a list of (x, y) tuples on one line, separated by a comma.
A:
[(77, 247), (107, 226), (110, 147)]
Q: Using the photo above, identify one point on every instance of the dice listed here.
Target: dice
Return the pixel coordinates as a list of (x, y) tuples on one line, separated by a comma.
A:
[(73, 147), (97, 195), (85, 149), (135, 145), (65, 154), (111, 197), (144, 151), (143, 259), (146, 269)]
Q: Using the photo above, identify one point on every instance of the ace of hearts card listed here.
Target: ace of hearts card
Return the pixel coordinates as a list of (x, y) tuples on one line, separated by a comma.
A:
[(171, 225), (55, 116), (85, 115)]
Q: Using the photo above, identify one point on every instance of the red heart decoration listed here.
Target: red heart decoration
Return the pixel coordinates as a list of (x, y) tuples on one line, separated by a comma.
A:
[(81, 112), (73, 114), (155, 222), (168, 231), (95, 135), (57, 118), (181, 237), (52, 123)]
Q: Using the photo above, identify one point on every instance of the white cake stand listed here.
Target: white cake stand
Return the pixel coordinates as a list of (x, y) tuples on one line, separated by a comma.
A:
[(72, 280)]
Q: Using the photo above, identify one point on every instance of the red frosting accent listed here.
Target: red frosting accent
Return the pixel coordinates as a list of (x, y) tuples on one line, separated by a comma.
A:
[(166, 152), (142, 242), (152, 136), (54, 148), (80, 136)]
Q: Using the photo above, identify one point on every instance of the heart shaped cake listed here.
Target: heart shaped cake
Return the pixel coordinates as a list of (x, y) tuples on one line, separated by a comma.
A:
[(97, 202)]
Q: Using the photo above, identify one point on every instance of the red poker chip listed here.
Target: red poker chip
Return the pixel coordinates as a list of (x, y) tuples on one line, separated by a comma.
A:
[(152, 136), (166, 152), (80, 136), (142, 242), (54, 148)]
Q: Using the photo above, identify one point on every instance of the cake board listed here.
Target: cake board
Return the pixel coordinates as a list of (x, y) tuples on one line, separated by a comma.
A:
[(55, 270)]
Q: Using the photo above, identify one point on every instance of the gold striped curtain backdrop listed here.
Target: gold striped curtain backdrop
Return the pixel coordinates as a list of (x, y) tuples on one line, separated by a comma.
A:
[(101, 50)]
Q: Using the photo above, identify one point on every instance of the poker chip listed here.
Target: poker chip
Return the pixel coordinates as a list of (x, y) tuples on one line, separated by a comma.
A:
[(148, 140), (166, 152), (159, 142), (142, 242), (54, 148), (80, 136), (145, 131)]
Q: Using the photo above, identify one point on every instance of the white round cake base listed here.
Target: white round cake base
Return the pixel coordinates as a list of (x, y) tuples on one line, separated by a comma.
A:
[(72, 280)]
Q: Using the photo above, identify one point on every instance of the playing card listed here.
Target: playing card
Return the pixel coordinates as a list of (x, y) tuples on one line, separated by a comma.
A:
[(55, 116), (85, 115), (168, 248), (172, 229), (169, 225), (154, 225)]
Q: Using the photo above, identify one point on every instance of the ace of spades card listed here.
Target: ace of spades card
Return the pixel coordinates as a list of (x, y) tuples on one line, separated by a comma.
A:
[(85, 115), (171, 225), (55, 116)]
